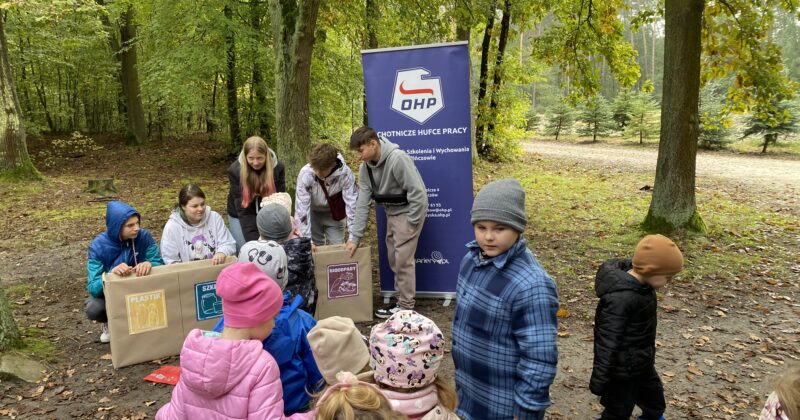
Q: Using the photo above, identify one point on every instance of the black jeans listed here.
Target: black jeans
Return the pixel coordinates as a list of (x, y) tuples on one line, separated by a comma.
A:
[(646, 391), (95, 309)]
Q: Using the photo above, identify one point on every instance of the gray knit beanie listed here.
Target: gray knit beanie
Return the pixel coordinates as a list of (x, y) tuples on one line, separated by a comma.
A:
[(274, 222), (503, 202)]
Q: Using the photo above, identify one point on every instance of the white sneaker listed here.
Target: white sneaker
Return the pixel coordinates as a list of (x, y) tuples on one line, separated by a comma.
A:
[(105, 336)]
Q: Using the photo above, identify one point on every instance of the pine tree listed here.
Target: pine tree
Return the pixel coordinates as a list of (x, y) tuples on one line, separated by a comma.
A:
[(560, 120), (714, 130), (781, 120), (644, 121), (596, 117), (621, 109)]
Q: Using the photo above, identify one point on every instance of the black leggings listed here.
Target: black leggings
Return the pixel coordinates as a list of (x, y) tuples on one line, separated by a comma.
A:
[(646, 391)]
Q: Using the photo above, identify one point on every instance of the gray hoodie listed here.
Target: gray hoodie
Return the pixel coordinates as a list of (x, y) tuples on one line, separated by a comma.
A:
[(394, 173)]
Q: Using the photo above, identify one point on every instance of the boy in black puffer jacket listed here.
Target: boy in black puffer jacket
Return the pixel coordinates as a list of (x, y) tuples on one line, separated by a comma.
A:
[(624, 373)]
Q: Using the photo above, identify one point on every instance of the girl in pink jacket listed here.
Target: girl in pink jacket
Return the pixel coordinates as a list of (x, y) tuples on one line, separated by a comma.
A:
[(229, 375)]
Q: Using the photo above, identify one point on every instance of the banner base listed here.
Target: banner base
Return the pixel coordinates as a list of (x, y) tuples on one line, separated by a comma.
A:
[(447, 296)]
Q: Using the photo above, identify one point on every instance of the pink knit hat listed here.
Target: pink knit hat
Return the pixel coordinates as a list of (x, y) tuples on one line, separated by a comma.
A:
[(249, 297), (406, 350)]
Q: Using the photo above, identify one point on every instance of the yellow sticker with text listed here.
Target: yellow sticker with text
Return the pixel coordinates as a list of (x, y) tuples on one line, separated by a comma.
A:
[(146, 311)]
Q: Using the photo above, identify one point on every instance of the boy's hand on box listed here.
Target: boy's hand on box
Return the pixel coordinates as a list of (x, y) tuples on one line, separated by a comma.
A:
[(143, 269), (351, 248), (122, 269)]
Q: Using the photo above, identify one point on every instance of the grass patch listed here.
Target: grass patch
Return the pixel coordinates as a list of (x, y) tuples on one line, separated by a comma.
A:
[(754, 145), (19, 290), (71, 213), (579, 217), (35, 344)]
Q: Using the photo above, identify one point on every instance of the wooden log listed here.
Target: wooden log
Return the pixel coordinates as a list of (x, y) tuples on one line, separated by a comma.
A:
[(102, 186)]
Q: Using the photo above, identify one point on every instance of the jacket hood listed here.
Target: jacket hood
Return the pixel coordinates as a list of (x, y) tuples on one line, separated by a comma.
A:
[(387, 147), (212, 366), (176, 216), (274, 158), (613, 277), (117, 213)]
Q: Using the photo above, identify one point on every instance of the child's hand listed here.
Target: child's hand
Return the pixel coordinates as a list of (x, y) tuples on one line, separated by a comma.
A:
[(351, 248), (218, 258), (143, 269), (122, 269)]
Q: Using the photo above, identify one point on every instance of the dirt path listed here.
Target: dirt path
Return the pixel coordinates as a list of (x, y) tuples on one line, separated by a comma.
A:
[(756, 171)]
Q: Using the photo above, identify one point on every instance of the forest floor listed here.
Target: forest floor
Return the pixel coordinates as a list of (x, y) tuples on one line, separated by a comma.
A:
[(727, 324)]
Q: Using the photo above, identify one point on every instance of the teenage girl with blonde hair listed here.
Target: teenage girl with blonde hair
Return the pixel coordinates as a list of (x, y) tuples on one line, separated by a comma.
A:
[(255, 175)]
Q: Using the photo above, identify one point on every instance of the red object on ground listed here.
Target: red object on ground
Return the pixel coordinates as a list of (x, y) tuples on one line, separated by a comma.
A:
[(165, 375)]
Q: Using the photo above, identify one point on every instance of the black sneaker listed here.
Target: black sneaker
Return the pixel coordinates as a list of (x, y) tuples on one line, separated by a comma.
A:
[(387, 311)]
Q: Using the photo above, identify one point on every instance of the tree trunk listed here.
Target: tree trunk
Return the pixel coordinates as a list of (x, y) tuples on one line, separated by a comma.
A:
[(262, 121), (124, 49), (211, 116), (10, 337), (645, 64), (483, 78), (673, 205), (293, 25), (497, 82), (372, 17), (768, 138), (137, 129), (15, 163), (230, 83)]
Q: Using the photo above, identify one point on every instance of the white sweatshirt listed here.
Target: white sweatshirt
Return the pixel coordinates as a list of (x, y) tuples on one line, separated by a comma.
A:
[(182, 242)]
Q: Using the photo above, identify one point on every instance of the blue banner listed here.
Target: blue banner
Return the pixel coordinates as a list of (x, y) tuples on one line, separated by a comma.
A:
[(418, 97)]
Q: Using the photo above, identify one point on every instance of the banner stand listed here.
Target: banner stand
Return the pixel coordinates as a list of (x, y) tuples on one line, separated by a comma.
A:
[(419, 98)]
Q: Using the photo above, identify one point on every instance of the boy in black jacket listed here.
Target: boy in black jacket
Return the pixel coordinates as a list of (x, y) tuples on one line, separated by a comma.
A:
[(624, 373)]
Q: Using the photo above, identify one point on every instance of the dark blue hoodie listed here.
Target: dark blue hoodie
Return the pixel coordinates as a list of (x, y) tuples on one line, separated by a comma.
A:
[(108, 251)]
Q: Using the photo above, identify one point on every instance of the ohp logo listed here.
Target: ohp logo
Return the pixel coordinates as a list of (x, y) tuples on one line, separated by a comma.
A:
[(417, 96)]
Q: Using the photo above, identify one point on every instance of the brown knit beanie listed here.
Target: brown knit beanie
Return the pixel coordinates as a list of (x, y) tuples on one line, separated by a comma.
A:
[(655, 255), (337, 345)]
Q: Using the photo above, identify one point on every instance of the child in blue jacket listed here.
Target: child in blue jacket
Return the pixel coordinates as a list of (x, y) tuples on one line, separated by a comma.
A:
[(124, 248), (287, 343)]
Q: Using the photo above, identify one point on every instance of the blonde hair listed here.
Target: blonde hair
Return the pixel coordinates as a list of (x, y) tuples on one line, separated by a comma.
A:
[(357, 402), (255, 183), (787, 386), (446, 393)]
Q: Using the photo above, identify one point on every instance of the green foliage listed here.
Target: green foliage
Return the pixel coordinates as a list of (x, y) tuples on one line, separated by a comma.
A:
[(782, 121), (581, 34), (621, 109), (560, 119), (736, 40), (595, 114), (645, 121), (715, 129), (534, 119), (656, 224)]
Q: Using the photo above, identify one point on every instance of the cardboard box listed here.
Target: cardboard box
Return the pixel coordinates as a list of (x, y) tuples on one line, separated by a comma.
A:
[(150, 316), (344, 283)]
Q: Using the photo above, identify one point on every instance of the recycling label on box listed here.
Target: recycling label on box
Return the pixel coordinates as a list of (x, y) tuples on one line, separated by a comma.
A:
[(207, 304)]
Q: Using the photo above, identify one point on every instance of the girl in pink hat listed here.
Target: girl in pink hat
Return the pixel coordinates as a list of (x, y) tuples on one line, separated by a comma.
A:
[(406, 351), (229, 375)]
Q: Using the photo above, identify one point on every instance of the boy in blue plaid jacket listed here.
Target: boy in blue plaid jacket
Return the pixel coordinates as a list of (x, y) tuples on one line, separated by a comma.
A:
[(504, 329)]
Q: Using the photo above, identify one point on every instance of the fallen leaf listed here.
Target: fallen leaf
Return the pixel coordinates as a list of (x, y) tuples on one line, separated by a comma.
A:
[(694, 370), (562, 313), (45, 319), (708, 362), (668, 373), (764, 347), (106, 408), (106, 356), (769, 361), (563, 333), (104, 400), (149, 403), (706, 328), (37, 392)]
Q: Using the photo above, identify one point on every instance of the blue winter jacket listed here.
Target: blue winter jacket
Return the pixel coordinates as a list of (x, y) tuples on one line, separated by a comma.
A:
[(108, 251), (289, 346)]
